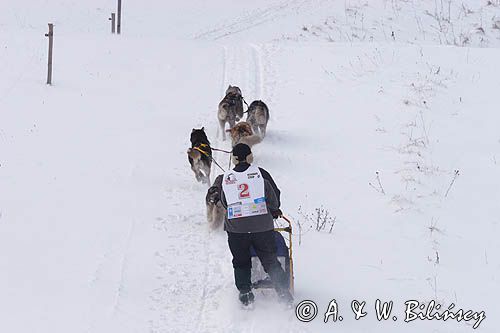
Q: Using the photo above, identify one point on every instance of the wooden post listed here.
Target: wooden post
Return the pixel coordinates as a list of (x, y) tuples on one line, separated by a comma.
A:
[(112, 19), (119, 23), (50, 34)]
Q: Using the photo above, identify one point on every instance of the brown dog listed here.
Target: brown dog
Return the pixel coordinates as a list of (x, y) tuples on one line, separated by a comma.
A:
[(242, 133)]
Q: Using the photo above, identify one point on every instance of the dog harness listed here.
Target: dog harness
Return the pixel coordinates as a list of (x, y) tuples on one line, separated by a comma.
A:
[(200, 149), (207, 153), (245, 193)]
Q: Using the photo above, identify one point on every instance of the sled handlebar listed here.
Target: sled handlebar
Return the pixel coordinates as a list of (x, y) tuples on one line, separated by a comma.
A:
[(289, 223), (289, 230)]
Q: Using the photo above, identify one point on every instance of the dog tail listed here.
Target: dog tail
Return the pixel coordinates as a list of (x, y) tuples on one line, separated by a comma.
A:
[(261, 116), (223, 111), (194, 154)]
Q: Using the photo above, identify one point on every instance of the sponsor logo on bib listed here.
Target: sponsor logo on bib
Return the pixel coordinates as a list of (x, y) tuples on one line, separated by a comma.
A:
[(253, 175), (230, 179)]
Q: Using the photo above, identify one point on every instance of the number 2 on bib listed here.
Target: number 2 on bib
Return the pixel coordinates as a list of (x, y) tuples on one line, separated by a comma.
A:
[(243, 188)]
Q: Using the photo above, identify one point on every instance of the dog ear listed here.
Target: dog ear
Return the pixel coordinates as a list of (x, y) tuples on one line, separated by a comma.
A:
[(193, 130), (203, 128)]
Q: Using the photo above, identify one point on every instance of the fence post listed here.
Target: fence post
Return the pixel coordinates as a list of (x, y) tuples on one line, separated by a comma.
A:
[(112, 19), (50, 34), (119, 23)]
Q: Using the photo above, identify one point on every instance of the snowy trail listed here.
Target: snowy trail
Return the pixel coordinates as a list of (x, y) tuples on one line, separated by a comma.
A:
[(243, 65), (203, 274), (198, 285), (238, 68), (102, 224)]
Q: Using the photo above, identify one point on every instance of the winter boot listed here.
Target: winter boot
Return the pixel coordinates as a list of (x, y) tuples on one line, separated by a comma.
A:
[(246, 298)]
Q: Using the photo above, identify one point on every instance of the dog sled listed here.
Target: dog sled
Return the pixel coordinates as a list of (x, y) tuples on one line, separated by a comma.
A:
[(260, 279)]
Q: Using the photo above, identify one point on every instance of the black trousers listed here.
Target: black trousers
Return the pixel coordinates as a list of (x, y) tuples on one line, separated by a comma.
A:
[(265, 246)]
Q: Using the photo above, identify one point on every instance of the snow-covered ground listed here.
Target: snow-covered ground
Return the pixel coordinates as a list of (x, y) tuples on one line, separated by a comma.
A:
[(383, 113)]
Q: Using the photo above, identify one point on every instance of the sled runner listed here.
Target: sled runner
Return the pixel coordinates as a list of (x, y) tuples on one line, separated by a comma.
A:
[(260, 279)]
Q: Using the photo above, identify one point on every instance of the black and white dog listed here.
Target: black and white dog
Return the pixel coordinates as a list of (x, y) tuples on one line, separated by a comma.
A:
[(200, 155), (258, 116), (230, 109)]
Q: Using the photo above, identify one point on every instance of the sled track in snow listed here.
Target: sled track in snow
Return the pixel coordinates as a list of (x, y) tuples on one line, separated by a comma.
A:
[(252, 19), (194, 288), (203, 297), (123, 264), (178, 299), (259, 71), (243, 66)]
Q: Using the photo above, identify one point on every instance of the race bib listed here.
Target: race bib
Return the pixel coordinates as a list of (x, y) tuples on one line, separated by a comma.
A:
[(244, 193)]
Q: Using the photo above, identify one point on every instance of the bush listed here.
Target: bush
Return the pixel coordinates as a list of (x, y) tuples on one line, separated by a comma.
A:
[(319, 220)]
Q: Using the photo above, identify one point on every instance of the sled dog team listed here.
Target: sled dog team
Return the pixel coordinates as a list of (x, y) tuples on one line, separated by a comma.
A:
[(246, 198), (250, 132)]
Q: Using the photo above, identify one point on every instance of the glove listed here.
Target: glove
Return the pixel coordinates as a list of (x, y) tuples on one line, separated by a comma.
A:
[(276, 213)]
